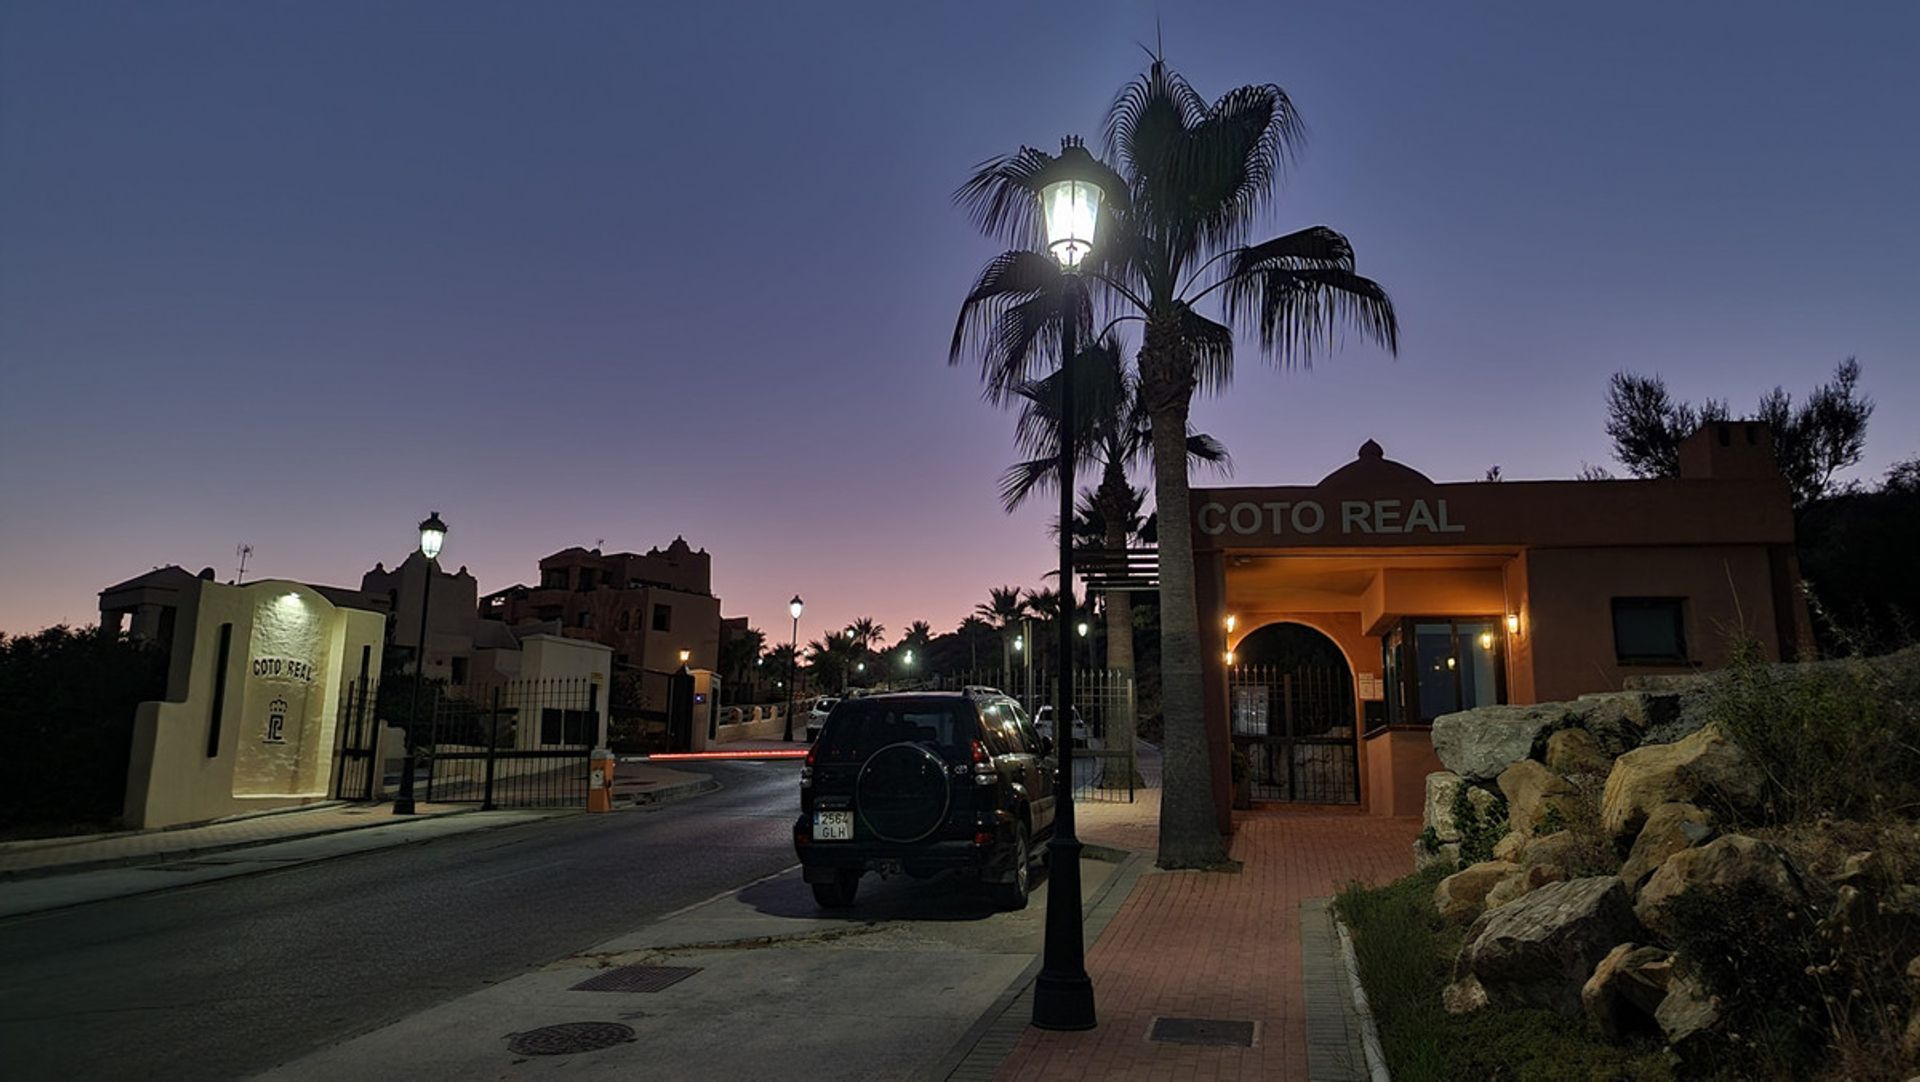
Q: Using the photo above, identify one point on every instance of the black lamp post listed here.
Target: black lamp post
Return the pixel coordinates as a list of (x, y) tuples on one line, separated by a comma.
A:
[(793, 661), (1070, 196), (433, 533)]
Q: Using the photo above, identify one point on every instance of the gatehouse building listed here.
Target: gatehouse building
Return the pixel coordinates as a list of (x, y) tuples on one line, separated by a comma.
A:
[(1338, 620)]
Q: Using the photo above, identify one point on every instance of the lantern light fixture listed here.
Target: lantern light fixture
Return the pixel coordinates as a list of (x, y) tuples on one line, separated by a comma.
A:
[(1070, 197), (1513, 623), (433, 534)]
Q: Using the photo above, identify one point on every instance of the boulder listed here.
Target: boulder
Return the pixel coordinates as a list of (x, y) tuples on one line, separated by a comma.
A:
[(1705, 767), (1576, 751), (1664, 835), (1686, 1013), (1511, 847), (1866, 870), (1540, 950), (1626, 989), (1618, 719), (1463, 995), (1524, 882), (1732, 862), (1441, 787), (1478, 744), (1461, 896), (1531, 790), (1561, 849)]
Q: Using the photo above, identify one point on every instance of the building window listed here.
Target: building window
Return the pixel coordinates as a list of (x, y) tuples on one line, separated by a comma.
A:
[(459, 673), (586, 580), (1439, 665), (1649, 630), (554, 578), (626, 620), (663, 617), (585, 619)]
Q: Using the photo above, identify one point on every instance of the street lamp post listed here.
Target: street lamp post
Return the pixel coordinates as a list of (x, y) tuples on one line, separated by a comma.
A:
[(793, 661), (433, 534), (1070, 196)]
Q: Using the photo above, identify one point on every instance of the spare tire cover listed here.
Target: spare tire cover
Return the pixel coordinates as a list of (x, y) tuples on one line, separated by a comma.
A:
[(902, 794)]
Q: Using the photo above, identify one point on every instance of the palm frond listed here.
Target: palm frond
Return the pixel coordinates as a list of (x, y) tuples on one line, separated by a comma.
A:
[(1210, 344), (1002, 321), (1001, 198), (1300, 311), (1024, 479), (1204, 448)]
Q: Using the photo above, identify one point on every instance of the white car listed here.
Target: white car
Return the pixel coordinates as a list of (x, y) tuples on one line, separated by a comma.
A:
[(1043, 721), (817, 717)]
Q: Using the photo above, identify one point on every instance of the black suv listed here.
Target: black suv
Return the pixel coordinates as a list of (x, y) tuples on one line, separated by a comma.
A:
[(923, 782)]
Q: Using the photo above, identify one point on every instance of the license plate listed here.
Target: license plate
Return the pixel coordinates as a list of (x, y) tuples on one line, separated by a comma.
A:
[(833, 826)]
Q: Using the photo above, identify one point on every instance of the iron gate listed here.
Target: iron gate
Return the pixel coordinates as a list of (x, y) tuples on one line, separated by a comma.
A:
[(1296, 728), (516, 744), (353, 766)]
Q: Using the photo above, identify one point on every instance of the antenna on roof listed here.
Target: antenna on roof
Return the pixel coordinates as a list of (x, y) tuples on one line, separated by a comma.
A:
[(242, 550)]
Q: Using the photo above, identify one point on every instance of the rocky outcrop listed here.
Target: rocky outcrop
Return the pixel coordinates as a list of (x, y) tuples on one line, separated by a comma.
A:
[(1733, 863), (1511, 847), (1478, 744), (1532, 791), (1461, 896), (1626, 989), (1445, 853), (1670, 828), (1705, 768), (1618, 719), (1540, 950), (1576, 751), (1523, 882)]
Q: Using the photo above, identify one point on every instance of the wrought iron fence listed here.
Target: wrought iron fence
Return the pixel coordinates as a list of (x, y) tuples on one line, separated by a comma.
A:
[(1106, 758), (356, 733)]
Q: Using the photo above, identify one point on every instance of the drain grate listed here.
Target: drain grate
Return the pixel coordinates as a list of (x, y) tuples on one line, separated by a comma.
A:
[(568, 1037), (636, 979), (1233, 1033)]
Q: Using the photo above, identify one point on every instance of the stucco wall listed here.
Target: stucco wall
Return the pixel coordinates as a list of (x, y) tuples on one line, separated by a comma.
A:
[(1728, 591), (290, 652)]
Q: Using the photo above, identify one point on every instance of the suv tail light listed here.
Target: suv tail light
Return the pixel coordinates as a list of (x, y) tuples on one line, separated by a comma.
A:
[(982, 764), (806, 770)]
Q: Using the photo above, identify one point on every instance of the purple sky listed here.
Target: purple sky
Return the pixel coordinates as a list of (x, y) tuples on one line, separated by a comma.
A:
[(294, 274)]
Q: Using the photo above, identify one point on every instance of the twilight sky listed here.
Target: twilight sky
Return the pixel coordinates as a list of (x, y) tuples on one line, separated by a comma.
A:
[(294, 274)]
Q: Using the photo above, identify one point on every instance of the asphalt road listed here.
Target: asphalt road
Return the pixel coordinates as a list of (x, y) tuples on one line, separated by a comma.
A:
[(228, 978)]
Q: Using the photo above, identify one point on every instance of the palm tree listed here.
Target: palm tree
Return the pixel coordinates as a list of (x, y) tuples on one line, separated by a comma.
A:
[(1002, 608), (971, 631), (1188, 183), (739, 653), (782, 658), (865, 633), (1116, 434), (834, 655)]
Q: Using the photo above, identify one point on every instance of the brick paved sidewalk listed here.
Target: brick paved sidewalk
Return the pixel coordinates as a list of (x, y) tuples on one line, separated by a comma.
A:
[(1213, 945)]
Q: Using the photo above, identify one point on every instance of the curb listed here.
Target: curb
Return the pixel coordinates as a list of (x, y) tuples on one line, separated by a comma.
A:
[(29, 844), (165, 888), (669, 794), (46, 870), (1369, 1033), (986, 1044)]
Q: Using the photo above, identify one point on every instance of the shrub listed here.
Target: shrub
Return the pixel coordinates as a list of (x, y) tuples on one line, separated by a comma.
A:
[(67, 700), (1837, 737), (1478, 833)]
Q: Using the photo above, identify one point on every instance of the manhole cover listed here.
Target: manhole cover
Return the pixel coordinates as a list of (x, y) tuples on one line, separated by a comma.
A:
[(636, 979), (568, 1037), (1219, 1031)]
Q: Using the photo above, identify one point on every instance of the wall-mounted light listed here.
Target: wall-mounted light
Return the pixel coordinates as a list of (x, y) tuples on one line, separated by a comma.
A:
[(1229, 657), (1486, 640), (1513, 623), (685, 656), (1232, 622)]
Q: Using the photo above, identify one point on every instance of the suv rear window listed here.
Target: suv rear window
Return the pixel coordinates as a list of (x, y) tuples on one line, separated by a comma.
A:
[(863, 726)]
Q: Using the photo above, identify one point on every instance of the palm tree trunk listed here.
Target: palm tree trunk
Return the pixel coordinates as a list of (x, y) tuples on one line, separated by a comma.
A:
[(1189, 836)]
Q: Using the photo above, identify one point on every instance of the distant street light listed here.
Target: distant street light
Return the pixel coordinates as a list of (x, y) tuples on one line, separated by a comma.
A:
[(793, 662), (685, 655), (1070, 196), (433, 534)]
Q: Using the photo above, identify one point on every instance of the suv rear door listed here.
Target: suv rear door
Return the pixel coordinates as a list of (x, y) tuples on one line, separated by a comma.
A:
[(942, 729)]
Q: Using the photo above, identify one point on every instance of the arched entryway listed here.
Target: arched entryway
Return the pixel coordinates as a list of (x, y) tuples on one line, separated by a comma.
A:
[(1290, 705)]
